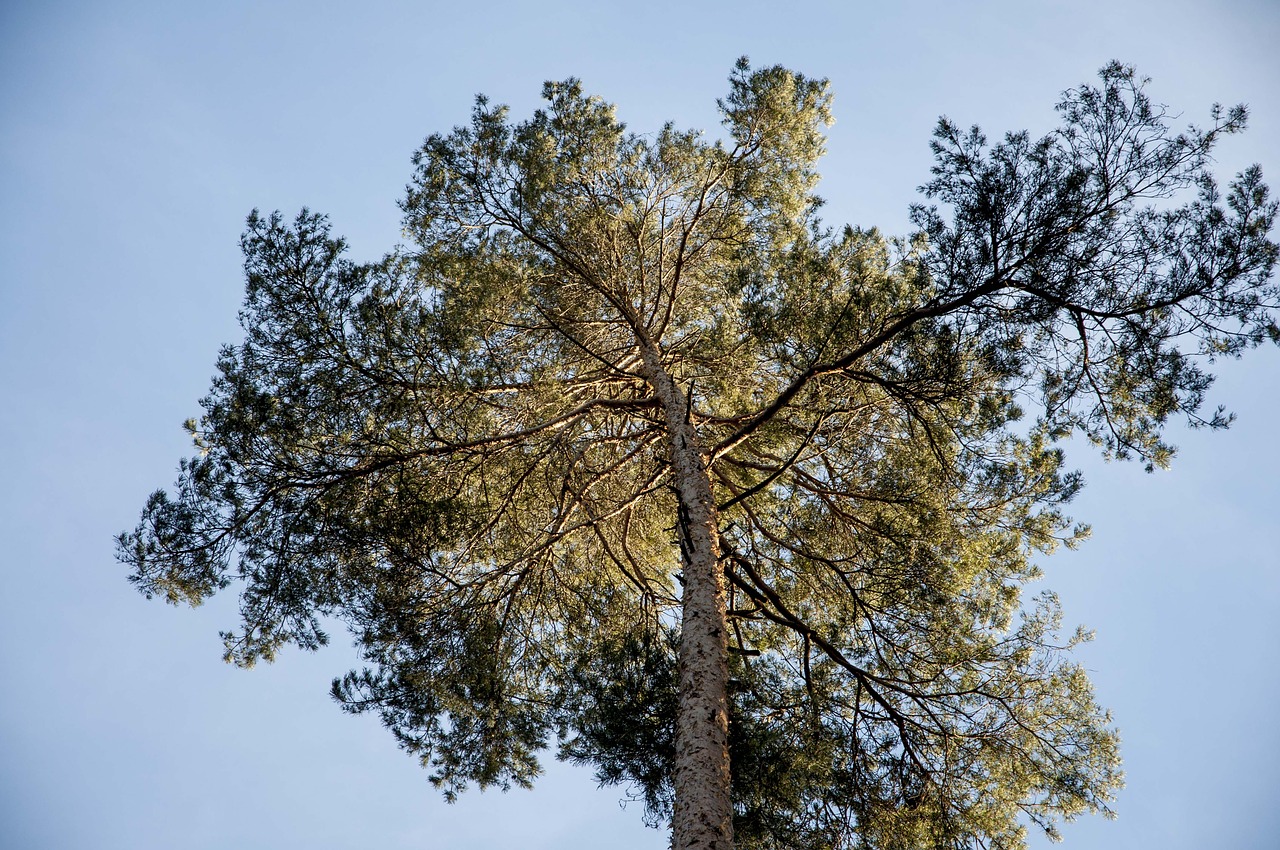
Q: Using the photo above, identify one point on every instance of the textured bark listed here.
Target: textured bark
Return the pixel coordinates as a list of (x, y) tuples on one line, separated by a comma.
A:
[(703, 816)]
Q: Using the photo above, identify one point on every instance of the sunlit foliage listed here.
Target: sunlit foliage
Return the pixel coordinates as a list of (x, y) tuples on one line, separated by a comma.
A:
[(458, 453)]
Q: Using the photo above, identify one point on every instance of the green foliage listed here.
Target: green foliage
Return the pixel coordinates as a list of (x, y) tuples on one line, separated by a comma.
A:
[(455, 451)]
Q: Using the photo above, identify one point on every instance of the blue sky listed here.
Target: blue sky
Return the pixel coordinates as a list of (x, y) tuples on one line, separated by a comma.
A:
[(135, 137)]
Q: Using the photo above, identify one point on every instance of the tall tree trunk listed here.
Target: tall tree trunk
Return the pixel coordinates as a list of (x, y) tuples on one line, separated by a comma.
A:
[(703, 817)]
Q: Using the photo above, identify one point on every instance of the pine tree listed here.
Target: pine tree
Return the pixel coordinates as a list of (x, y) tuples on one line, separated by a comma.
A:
[(629, 452)]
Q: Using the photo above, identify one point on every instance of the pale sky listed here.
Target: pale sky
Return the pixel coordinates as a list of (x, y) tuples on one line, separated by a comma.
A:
[(136, 136)]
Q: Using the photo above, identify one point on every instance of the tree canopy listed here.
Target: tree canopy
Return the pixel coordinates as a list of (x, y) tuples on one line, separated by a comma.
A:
[(630, 454)]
